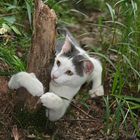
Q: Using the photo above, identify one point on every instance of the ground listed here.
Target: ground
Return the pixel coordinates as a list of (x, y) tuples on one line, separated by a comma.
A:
[(84, 119), (78, 123)]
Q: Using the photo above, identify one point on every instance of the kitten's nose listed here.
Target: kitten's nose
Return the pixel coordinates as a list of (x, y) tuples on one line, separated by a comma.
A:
[(54, 77)]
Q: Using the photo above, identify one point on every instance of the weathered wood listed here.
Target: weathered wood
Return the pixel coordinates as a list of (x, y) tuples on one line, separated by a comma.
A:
[(43, 47)]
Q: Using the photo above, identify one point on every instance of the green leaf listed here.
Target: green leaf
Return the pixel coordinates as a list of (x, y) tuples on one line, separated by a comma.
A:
[(15, 30), (105, 57), (138, 86), (5, 26), (9, 57), (119, 2), (29, 12), (10, 19), (111, 10), (131, 66), (127, 98)]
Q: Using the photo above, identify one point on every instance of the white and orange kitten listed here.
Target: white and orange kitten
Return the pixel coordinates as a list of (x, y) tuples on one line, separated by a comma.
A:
[(72, 68)]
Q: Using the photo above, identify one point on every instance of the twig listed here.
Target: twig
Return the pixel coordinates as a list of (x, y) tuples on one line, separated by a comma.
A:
[(6, 107), (83, 111), (9, 14), (85, 120), (2, 123)]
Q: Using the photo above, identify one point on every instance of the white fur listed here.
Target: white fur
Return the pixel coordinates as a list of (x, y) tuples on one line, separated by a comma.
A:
[(96, 78), (57, 100), (64, 87), (28, 81), (75, 80), (63, 79)]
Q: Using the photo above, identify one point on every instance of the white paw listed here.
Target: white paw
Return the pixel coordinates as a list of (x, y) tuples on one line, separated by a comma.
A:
[(28, 81), (13, 83), (96, 92), (33, 75), (51, 100)]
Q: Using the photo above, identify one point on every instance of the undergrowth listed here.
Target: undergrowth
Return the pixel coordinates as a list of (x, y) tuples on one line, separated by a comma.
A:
[(123, 102), (120, 51)]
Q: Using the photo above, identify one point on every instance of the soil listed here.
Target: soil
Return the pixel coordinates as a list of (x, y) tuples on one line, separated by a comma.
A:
[(78, 123)]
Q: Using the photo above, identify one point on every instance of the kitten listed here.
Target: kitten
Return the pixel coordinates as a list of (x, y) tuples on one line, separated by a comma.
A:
[(72, 68)]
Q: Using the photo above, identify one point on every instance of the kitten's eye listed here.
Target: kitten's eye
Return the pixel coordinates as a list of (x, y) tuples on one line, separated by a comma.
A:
[(58, 63), (68, 72)]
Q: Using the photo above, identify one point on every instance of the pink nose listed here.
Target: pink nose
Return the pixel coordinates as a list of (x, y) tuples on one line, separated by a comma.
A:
[(54, 77)]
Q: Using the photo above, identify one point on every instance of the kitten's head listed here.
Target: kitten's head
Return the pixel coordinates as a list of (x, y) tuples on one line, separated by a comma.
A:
[(70, 68)]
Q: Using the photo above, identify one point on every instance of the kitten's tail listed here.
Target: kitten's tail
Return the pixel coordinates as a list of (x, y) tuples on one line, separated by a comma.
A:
[(27, 80)]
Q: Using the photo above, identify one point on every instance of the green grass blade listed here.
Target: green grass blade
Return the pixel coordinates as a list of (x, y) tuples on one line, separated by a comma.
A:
[(112, 11), (29, 11)]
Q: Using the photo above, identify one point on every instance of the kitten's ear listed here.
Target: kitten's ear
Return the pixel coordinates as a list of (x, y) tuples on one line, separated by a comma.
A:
[(67, 45), (88, 66)]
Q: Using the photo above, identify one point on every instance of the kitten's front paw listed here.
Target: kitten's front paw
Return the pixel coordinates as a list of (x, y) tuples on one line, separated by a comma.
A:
[(28, 81), (51, 100), (96, 92), (13, 84)]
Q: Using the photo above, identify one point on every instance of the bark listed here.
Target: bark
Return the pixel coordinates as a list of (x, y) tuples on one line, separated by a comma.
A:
[(42, 49)]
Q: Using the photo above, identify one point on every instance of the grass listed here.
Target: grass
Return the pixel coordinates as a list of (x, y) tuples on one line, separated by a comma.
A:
[(11, 59), (122, 21)]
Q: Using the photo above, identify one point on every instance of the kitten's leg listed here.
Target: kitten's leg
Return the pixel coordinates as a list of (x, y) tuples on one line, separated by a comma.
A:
[(97, 87), (51, 101), (55, 105), (27, 80)]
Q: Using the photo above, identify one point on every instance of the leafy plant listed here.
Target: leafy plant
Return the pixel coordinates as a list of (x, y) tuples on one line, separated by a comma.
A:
[(121, 106), (8, 56)]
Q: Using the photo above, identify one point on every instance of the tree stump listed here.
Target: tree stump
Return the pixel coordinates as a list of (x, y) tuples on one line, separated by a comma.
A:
[(42, 50)]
